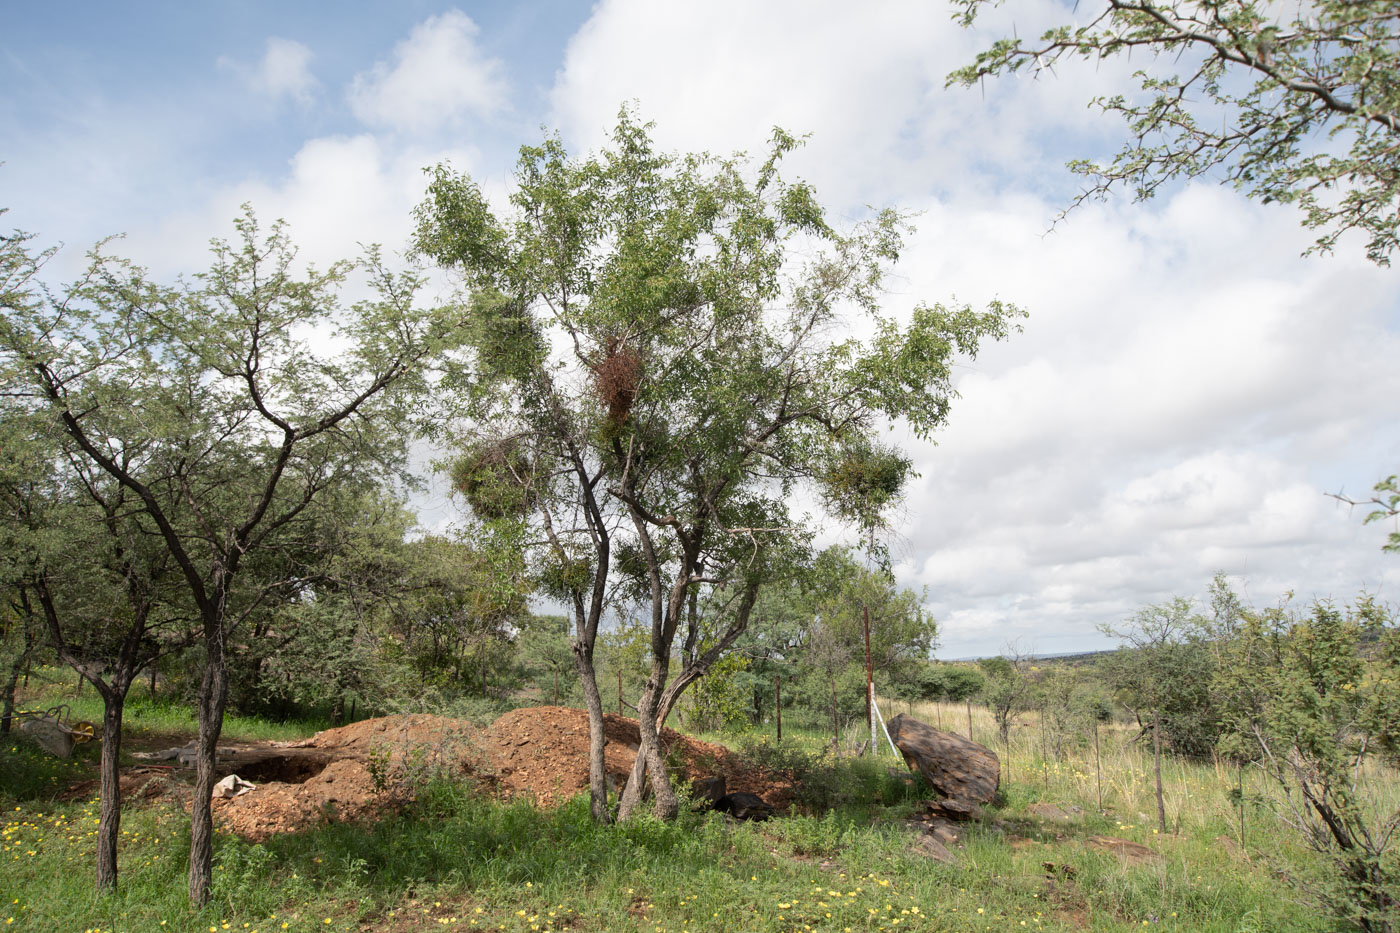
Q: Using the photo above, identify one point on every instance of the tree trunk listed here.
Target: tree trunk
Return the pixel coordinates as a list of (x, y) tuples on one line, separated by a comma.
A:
[(213, 696), (650, 762), (835, 717), (1157, 769), (11, 688), (593, 701), (110, 793)]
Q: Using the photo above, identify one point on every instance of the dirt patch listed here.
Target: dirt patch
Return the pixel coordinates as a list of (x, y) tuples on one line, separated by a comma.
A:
[(536, 753)]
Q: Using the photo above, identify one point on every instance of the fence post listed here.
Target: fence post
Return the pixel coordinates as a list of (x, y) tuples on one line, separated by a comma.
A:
[(1098, 765), (619, 693), (778, 702)]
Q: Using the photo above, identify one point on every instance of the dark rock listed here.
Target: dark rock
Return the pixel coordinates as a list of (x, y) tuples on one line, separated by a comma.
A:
[(959, 811), (744, 806), (708, 791), (953, 766)]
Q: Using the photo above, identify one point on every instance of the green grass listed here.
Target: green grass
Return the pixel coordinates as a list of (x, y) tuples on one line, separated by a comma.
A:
[(455, 860)]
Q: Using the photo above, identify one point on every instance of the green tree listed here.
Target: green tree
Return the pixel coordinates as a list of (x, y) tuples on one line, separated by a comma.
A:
[(207, 405), (1006, 689), (1298, 106), (1309, 697), (675, 371), (544, 650), (79, 572), (1158, 660)]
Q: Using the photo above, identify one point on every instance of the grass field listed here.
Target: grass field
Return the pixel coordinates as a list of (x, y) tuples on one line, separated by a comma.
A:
[(456, 860)]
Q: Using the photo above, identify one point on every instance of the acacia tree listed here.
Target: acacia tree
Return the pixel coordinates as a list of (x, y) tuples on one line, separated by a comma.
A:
[(672, 373), (207, 406), (1159, 645), (1308, 696), (1293, 104), (90, 578), (839, 592)]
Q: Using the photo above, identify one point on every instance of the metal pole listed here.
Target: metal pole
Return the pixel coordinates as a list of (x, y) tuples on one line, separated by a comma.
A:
[(778, 702), (869, 683)]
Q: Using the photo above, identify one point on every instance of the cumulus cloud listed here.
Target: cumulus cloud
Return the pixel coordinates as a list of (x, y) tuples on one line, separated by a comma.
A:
[(1185, 392), (437, 77), (284, 71), (1186, 389)]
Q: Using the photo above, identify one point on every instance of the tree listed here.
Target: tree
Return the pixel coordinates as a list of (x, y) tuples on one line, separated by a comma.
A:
[(673, 372), (1006, 690), (211, 411), (839, 593), (87, 576), (1159, 646), (1299, 107), (1309, 696)]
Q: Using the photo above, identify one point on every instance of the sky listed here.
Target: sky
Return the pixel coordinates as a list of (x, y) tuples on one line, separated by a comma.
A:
[(1188, 388)]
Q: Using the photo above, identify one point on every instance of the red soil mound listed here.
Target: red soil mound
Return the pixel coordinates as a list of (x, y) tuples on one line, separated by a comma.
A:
[(539, 753), (542, 752)]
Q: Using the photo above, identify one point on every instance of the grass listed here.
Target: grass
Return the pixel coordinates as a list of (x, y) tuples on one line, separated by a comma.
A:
[(454, 860)]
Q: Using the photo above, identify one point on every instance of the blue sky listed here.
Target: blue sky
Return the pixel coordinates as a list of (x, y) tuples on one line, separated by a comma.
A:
[(1185, 393)]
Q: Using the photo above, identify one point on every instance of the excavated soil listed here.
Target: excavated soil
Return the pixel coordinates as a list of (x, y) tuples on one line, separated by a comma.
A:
[(536, 753)]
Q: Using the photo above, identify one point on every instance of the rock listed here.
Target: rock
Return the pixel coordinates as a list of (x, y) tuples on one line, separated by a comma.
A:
[(958, 811), (944, 831), (49, 735), (708, 791), (744, 806), (929, 846), (953, 766), (1125, 849), (1048, 811)]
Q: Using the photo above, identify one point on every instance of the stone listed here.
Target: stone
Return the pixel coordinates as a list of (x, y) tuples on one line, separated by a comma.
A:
[(708, 791), (1048, 811), (958, 811), (744, 806), (930, 847), (955, 767)]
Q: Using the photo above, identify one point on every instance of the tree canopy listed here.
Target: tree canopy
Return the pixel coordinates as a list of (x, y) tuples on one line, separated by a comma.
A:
[(671, 346), (1294, 104)]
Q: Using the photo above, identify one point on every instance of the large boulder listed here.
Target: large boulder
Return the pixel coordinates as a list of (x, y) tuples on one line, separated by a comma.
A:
[(953, 766)]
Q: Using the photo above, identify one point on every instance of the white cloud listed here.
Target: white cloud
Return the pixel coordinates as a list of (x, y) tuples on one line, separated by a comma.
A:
[(1186, 389), (438, 76), (283, 71)]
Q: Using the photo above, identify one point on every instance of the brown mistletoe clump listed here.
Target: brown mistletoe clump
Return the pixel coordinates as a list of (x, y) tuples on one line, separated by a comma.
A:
[(616, 378)]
